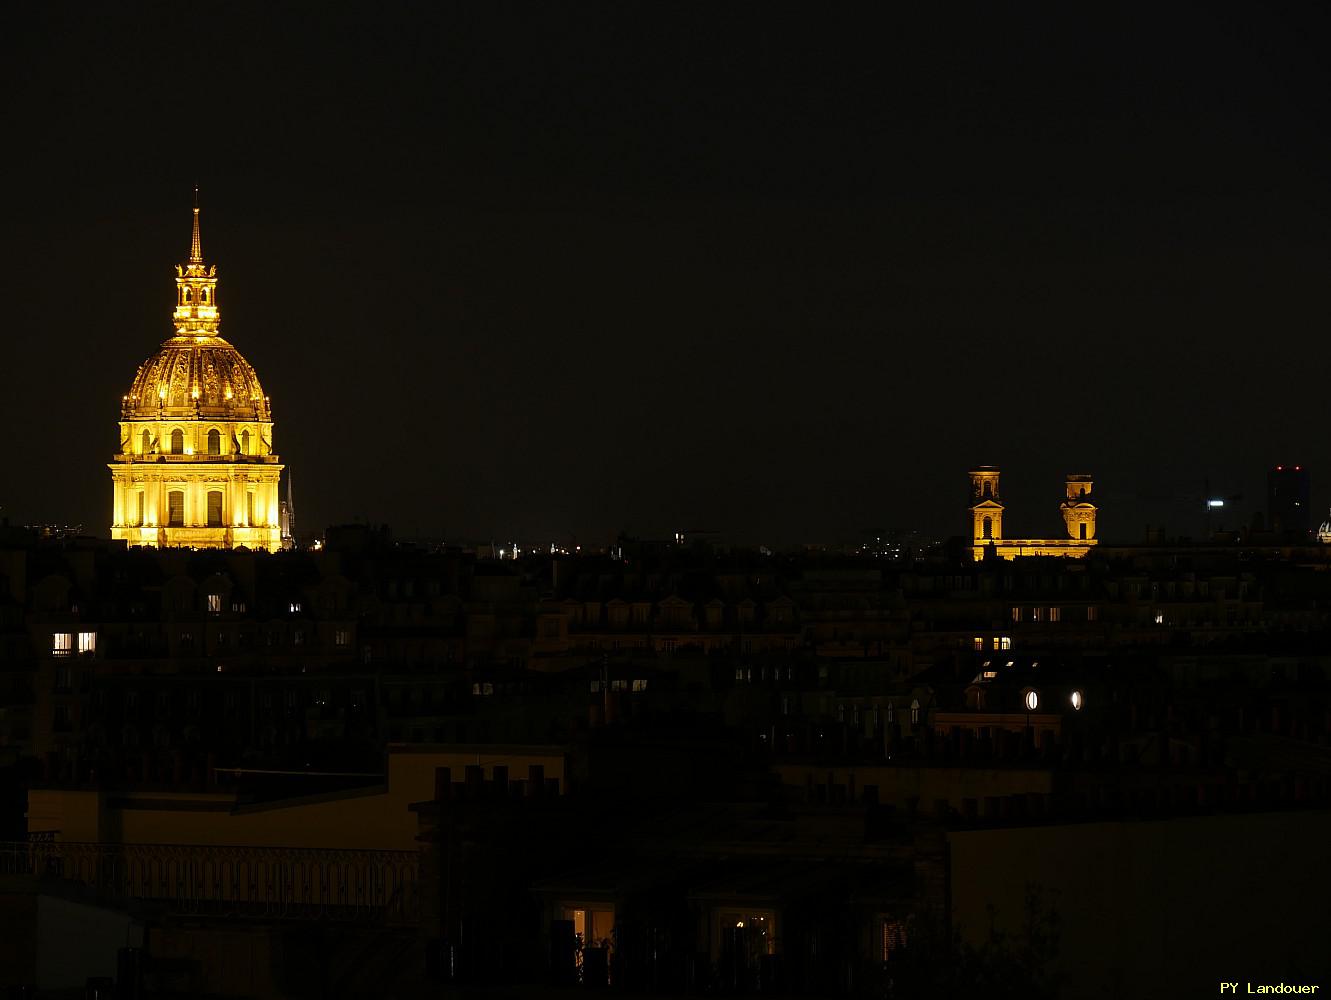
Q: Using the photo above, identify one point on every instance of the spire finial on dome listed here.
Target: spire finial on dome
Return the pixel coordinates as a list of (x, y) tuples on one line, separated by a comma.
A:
[(196, 246)]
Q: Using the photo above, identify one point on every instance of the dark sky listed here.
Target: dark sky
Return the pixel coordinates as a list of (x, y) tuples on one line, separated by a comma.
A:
[(780, 271)]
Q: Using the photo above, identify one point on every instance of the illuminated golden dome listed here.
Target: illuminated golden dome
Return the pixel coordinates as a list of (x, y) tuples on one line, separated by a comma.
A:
[(197, 376), (196, 373), (196, 466)]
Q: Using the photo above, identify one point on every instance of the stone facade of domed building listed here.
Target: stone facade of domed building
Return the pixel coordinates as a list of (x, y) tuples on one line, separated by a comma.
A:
[(196, 466)]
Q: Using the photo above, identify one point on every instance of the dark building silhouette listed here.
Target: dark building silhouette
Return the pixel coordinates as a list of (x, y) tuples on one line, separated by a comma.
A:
[(1289, 500), (371, 768)]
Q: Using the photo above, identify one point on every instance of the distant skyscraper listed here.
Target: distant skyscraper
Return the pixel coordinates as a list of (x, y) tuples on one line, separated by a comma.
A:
[(1288, 495)]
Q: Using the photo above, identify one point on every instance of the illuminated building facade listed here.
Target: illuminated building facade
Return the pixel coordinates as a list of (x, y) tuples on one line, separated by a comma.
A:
[(196, 466), (1077, 509)]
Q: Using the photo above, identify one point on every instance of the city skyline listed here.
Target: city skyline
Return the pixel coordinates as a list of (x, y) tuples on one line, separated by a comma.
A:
[(573, 315), (672, 500)]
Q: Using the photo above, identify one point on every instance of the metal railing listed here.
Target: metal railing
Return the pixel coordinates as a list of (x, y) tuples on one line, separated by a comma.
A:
[(270, 883)]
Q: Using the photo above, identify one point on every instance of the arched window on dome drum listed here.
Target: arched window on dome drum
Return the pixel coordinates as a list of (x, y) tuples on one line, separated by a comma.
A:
[(244, 442), (147, 442), (175, 508), (214, 442), (214, 508), (177, 442)]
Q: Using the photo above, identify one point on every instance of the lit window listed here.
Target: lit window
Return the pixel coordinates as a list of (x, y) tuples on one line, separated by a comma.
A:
[(1076, 700), (996, 643), (915, 712), (295, 607), (640, 685), (1032, 701), (1016, 614), (1055, 614), (979, 643), (596, 687), (1005, 642), (62, 644), (238, 607), (990, 674), (214, 604), (87, 643), (1092, 614), (619, 685), (1159, 618), (342, 637), (739, 673), (1037, 614)]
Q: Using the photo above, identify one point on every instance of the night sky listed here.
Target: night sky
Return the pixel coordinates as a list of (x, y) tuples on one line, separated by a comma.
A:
[(557, 271)]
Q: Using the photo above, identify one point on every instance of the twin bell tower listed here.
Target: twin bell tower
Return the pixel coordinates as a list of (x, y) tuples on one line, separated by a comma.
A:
[(1077, 507)]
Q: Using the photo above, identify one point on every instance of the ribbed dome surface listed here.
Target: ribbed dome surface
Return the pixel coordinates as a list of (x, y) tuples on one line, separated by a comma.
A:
[(196, 376)]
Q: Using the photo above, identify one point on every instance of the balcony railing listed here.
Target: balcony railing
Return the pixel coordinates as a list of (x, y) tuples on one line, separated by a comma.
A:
[(269, 883)]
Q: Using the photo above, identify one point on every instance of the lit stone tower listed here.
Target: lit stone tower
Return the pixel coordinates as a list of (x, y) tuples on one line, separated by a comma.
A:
[(1078, 510), (986, 509), (196, 464)]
